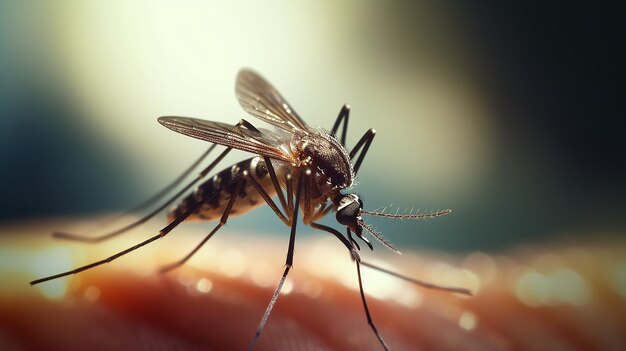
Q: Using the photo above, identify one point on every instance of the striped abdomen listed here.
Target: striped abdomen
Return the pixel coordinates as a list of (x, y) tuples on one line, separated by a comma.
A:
[(217, 191)]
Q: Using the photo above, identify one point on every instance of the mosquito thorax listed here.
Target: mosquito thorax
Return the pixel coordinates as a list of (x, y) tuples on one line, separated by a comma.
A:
[(324, 152)]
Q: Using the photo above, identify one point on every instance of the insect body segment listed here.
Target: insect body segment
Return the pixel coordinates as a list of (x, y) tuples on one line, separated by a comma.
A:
[(213, 195), (328, 156)]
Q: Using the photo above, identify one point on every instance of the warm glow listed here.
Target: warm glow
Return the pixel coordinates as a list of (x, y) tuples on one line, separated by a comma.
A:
[(92, 293), (51, 261), (468, 321), (561, 286), (262, 273), (204, 286), (287, 287), (618, 278), (232, 263)]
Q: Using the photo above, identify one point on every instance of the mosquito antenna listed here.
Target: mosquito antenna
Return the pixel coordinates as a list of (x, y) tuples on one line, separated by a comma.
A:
[(379, 237), (408, 216)]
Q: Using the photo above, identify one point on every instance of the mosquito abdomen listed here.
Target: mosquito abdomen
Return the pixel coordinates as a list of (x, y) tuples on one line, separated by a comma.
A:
[(217, 191)]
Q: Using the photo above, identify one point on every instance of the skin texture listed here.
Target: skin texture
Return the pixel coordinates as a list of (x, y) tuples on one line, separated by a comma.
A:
[(204, 305)]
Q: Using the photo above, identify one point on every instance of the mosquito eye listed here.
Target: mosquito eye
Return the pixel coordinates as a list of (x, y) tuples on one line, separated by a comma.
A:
[(348, 214)]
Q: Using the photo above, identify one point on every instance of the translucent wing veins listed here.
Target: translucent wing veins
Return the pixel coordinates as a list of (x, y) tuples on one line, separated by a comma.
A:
[(263, 142), (260, 99)]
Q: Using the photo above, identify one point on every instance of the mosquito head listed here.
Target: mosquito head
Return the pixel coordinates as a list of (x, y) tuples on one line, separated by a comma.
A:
[(349, 209), (349, 212)]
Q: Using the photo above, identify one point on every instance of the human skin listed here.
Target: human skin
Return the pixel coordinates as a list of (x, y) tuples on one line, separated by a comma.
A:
[(203, 305)]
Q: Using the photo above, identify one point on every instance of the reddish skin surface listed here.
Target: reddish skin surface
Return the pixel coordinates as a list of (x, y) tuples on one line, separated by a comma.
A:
[(157, 313), (146, 313)]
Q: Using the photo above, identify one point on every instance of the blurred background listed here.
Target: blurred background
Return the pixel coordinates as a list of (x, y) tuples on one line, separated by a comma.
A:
[(501, 112)]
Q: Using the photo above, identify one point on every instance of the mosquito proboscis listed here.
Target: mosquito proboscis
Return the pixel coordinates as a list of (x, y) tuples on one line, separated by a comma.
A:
[(307, 169)]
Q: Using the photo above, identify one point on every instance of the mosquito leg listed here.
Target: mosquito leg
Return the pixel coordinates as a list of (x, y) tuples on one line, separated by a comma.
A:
[(352, 239), (306, 212), (153, 199), (279, 190), (419, 282), (247, 125), (341, 238), (356, 256), (289, 182), (270, 168), (267, 198), (288, 262), (163, 232), (322, 213), (238, 184), (147, 217), (364, 142), (202, 174), (367, 311), (344, 114), (357, 260)]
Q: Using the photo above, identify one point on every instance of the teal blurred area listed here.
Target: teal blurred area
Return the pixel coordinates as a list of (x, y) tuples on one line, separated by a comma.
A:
[(503, 112)]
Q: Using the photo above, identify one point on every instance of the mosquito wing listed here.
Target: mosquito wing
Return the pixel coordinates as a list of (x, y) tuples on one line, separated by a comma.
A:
[(263, 142), (260, 99)]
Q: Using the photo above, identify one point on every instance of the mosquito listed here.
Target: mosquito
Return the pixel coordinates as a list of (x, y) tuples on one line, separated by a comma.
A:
[(307, 169)]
